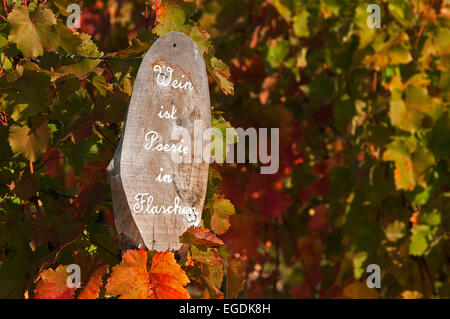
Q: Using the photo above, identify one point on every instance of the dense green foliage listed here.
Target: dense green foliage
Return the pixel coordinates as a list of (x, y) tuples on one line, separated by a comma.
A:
[(364, 141)]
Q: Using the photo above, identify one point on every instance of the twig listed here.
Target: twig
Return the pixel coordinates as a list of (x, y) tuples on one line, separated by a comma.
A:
[(3, 64), (5, 7), (101, 246), (99, 130), (424, 21), (277, 261), (103, 58)]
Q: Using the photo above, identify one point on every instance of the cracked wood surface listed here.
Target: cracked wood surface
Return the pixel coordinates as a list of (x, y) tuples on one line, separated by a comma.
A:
[(133, 169)]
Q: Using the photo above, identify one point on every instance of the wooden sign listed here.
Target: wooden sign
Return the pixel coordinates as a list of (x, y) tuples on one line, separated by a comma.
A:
[(158, 174)]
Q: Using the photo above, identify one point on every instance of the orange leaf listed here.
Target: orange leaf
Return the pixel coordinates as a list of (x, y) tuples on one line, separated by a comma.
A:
[(52, 284), (131, 279), (200, 236), (414, 219), (167, 278), (92, 288)]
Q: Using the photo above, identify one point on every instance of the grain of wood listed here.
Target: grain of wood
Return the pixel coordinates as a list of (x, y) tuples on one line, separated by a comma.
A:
[(133, 169)]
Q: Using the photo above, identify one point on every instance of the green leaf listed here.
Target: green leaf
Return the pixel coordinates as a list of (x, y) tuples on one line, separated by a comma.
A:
[(62, 6), (408, 113), (69, 41), (358, 262), (212, 270), (220, 148), (214, 179), (205, 257), (221, 209), (33, 36), (200, 37), (3, 41), (419, 240), (172, 17), (433, 218), (81, 68), (423, 160), (30, 142), (282, 9), (440, 137), (402, 12), (301, 24), (398, 152), (137, 48), (221, 74), (277, 52), (366, 35)]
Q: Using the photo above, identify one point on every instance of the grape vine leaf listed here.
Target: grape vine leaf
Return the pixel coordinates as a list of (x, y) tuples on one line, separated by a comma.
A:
[(398, 152), (52, 284), (221, 74), (221, 209), (419, 240), (92, 288), (408, 113), (171, 16), (200, 236), (32, 141), (131, 279), (33, 36), (236, 274)]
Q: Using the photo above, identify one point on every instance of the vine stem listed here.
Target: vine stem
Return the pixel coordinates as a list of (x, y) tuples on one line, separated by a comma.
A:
[(3, 65), (100, 246), (5, 7), (100, 131), (422, 26)]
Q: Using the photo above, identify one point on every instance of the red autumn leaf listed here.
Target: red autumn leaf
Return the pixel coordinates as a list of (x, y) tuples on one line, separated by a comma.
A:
[(318, 219), (167, 278), (301, 291), (92, 288), (200, 236), (92, 190), (156, 5), (131, 279), (236, 274), (54, 160), (52, 284), (244, 236)]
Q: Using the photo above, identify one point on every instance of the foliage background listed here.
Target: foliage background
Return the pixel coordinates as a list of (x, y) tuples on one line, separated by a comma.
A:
[(364, 145)]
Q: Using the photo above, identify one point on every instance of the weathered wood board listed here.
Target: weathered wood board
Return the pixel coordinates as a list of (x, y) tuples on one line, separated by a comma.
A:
[(158, 176)]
